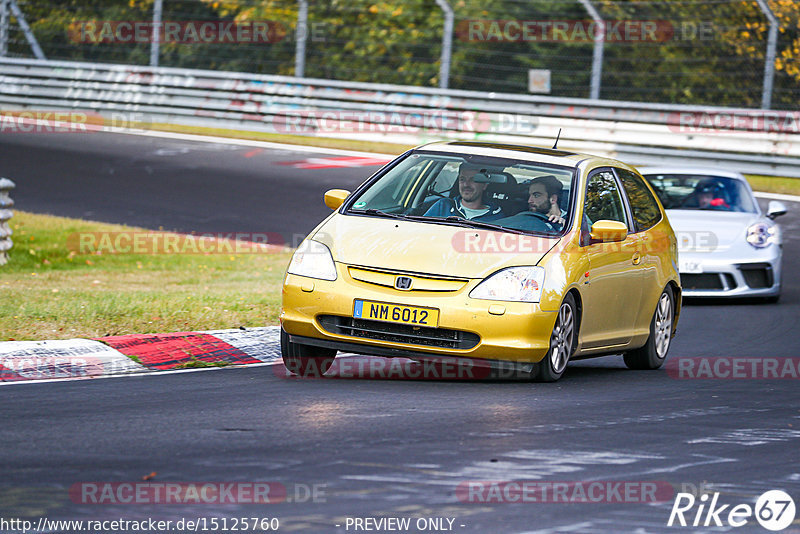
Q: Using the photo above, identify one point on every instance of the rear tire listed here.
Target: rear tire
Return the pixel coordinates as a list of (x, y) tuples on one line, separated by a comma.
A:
[(563, 342), (305, 360), (653, 354)]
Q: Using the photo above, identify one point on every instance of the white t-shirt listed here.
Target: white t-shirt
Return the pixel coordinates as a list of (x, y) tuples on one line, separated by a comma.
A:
[(471, 213)]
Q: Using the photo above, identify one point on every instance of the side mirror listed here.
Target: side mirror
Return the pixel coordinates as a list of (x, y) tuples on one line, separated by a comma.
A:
[(335, 197), (775, 209), (605, 231)]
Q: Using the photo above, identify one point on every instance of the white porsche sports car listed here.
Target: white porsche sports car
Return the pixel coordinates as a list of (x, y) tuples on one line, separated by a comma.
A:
[(726, 246)]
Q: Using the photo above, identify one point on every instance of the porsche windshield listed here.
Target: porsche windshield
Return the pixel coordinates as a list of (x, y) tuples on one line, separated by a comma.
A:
[(472, 190), (701, 192)]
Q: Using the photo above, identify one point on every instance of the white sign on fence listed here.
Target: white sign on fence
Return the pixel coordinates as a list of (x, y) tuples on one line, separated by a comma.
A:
[(539, 81)]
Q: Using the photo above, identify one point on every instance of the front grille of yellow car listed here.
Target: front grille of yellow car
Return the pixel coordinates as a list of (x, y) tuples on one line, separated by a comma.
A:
[(419, 282), (399, 333)]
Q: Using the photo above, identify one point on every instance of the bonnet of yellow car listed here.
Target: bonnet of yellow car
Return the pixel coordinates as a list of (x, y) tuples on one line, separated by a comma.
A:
[(425, 247)]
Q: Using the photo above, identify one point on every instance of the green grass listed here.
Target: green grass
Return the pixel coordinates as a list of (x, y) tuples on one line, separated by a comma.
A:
[(194, 363), (774, 184), (48, 291)]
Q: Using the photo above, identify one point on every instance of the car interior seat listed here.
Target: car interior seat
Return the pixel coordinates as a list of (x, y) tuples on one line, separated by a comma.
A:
[(506, 195)]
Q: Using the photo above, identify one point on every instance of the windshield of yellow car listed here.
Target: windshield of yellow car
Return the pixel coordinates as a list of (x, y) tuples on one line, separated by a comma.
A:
[(514, 195)]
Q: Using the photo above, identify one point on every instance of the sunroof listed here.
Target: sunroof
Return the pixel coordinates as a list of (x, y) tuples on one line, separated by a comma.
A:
[(518, 148)]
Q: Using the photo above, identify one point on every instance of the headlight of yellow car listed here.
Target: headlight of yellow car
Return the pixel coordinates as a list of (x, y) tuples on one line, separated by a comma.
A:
[(314, 260), (518, 284)]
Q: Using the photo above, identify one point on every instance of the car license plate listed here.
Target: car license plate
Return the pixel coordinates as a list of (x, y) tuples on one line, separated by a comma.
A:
[(396, 313), (691, 267)]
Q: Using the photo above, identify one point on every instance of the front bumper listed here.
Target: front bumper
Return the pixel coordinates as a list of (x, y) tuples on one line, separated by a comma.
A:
[(731, 274), (513, 332)]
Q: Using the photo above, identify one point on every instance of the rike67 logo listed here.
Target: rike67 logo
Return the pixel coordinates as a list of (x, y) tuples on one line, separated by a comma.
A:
[(774, 510)]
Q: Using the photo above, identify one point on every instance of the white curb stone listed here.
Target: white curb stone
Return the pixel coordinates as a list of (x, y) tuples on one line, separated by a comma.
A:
[(67, 358)]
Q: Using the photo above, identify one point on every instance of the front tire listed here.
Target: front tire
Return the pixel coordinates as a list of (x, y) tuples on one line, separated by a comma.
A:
[(563, 341), (305, 360), (653, 354)]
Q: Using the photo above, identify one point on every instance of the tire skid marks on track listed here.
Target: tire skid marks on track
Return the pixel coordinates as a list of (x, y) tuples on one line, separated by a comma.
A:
[(751, 436)]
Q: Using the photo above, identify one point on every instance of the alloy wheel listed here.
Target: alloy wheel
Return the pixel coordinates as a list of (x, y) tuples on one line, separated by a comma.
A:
[(561, 340), (663, 325)]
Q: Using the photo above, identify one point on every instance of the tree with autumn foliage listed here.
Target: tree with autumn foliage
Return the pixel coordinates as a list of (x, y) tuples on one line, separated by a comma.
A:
[(715, 54)]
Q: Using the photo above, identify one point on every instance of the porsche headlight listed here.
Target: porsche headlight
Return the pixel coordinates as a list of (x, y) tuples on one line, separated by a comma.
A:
[(314, 260), (762, 234), (519, 284)]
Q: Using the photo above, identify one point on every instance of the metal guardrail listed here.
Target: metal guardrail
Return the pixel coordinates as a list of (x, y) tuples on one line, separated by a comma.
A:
[(6, 202), (747, 140)]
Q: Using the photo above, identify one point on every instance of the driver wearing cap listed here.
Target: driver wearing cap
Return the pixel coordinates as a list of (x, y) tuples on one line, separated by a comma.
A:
[(709, 196), (469, 204)]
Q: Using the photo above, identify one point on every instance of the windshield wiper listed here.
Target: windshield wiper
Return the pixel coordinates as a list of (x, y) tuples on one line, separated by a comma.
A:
[(379, 213)]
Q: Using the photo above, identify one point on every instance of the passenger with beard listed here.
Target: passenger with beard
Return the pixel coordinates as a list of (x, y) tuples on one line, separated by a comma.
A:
[(544, 203)]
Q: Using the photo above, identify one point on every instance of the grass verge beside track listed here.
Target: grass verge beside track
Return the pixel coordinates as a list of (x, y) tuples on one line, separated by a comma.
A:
[(774, 184), (50, 292)]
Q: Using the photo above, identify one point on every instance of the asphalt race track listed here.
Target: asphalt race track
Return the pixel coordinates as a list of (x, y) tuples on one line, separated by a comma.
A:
[(178, 185), (378, 448)]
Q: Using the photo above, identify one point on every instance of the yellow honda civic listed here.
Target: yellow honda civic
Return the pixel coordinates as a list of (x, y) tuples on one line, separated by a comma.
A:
[(508, 257)]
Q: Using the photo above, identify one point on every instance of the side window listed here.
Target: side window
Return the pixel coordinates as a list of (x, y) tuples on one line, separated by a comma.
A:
[(447, 177), (643, 205), (438, 179), (392, 194), (603, 200)]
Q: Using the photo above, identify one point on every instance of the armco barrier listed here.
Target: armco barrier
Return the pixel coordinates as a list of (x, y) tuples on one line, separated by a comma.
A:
[(748, 140), (6, 186)]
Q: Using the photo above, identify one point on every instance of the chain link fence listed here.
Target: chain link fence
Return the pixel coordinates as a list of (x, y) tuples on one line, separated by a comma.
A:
[(705, 52)]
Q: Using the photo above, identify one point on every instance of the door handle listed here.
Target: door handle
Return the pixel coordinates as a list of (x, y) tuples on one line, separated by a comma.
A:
[(636, 258)]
